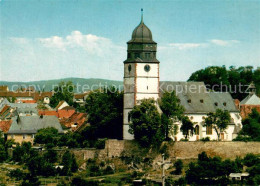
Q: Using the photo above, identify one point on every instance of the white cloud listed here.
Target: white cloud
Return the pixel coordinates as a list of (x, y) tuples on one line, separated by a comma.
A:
[(91, 43), (224, 42), (185, 46)]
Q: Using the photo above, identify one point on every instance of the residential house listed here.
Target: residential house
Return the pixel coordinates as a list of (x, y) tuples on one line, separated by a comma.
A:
[(24, 128), (80, 98), (252, 101), (61, 105), (76, 121)]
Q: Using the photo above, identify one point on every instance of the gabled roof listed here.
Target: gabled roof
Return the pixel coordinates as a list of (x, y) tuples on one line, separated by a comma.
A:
[(193, 95), (251, 100), (63, 113), (195, 98), (80, 96), (48, 113), (31, 124), (223, 101), (5, 125)]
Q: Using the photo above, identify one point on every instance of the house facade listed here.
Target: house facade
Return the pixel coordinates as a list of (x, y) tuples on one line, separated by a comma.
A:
[(24, 128)]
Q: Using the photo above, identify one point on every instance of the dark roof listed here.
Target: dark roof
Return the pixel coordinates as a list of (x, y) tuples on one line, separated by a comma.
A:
[(141, 34), (31, 124), (195, 98)]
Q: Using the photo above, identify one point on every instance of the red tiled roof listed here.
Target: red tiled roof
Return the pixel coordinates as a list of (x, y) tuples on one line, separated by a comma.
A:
[(65, 113), (48, 113), (28, 101), (35, 95), (68, 108), (5, 125), (78, 118), (5, 108), (245, 110)]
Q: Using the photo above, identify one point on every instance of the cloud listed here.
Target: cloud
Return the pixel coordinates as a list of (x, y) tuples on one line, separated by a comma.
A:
[(91, 43), (186, 46), (224, 42)]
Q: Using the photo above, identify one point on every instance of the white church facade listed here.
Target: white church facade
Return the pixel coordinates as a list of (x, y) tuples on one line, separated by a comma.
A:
[(142, 80)]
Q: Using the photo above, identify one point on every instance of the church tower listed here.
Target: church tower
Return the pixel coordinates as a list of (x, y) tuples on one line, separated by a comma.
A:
[(141, 72)]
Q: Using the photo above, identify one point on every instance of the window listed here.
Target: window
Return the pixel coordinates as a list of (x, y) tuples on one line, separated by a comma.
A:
[(209, 130), (189, 100), (147, 55), (32, 136), (201, 101), (137, 55), (216, 104), (12, 136), (197, 130), (24, 136), (225, 104)]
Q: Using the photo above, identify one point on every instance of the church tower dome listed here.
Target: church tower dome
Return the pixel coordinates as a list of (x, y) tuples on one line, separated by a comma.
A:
[(142, 34), (141, 47)]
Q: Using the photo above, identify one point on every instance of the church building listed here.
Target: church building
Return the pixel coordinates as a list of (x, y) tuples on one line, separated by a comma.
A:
[(142, 80)]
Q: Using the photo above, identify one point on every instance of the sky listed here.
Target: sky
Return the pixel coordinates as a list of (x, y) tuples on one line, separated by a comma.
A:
[(53, 39)]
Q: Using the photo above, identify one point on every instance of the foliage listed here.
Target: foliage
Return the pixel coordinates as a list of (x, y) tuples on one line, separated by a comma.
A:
[(210, 171), (22, 152), (217, 78), (179, 166), (46, 135), (218, 120), (187, 127), (172, 110), (100, 144), (146, 123), (50, 156), (69, 162), (205, 139), (17, 174), (105, 114), (63, 92), (251, 128)]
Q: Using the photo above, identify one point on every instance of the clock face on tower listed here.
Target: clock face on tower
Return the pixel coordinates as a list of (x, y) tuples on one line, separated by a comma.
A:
[(147, 68)]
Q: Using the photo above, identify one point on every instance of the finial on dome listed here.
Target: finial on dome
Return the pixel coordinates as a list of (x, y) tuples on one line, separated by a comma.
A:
[(142, 20)]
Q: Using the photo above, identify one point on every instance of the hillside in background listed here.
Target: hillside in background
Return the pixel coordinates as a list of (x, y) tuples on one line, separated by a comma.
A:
[(48, 85)]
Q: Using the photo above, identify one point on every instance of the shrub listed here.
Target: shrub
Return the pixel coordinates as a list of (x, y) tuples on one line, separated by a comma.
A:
[(205, 139)]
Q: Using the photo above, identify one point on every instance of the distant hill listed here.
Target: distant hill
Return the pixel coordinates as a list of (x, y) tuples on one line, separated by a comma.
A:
[(48, 85)]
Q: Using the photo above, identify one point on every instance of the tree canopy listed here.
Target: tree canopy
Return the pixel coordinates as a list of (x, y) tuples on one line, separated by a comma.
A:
[(251, 128), (146, 123), (172, 110), (216, 77), (218, 120), (63, 92), (187, 127), (105, 114)]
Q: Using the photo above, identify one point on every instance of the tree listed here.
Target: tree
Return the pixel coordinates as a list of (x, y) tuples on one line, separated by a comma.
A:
[(146, 123), (172, 111), (46, 136), (218, 120), (178, 165), (105, 114), (234, 80), (187, 127), (69, 162), (251, 127), (63, 92)]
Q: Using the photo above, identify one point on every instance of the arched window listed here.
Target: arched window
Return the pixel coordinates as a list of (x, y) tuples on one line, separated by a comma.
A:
[(197, 130), (209, 130)]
